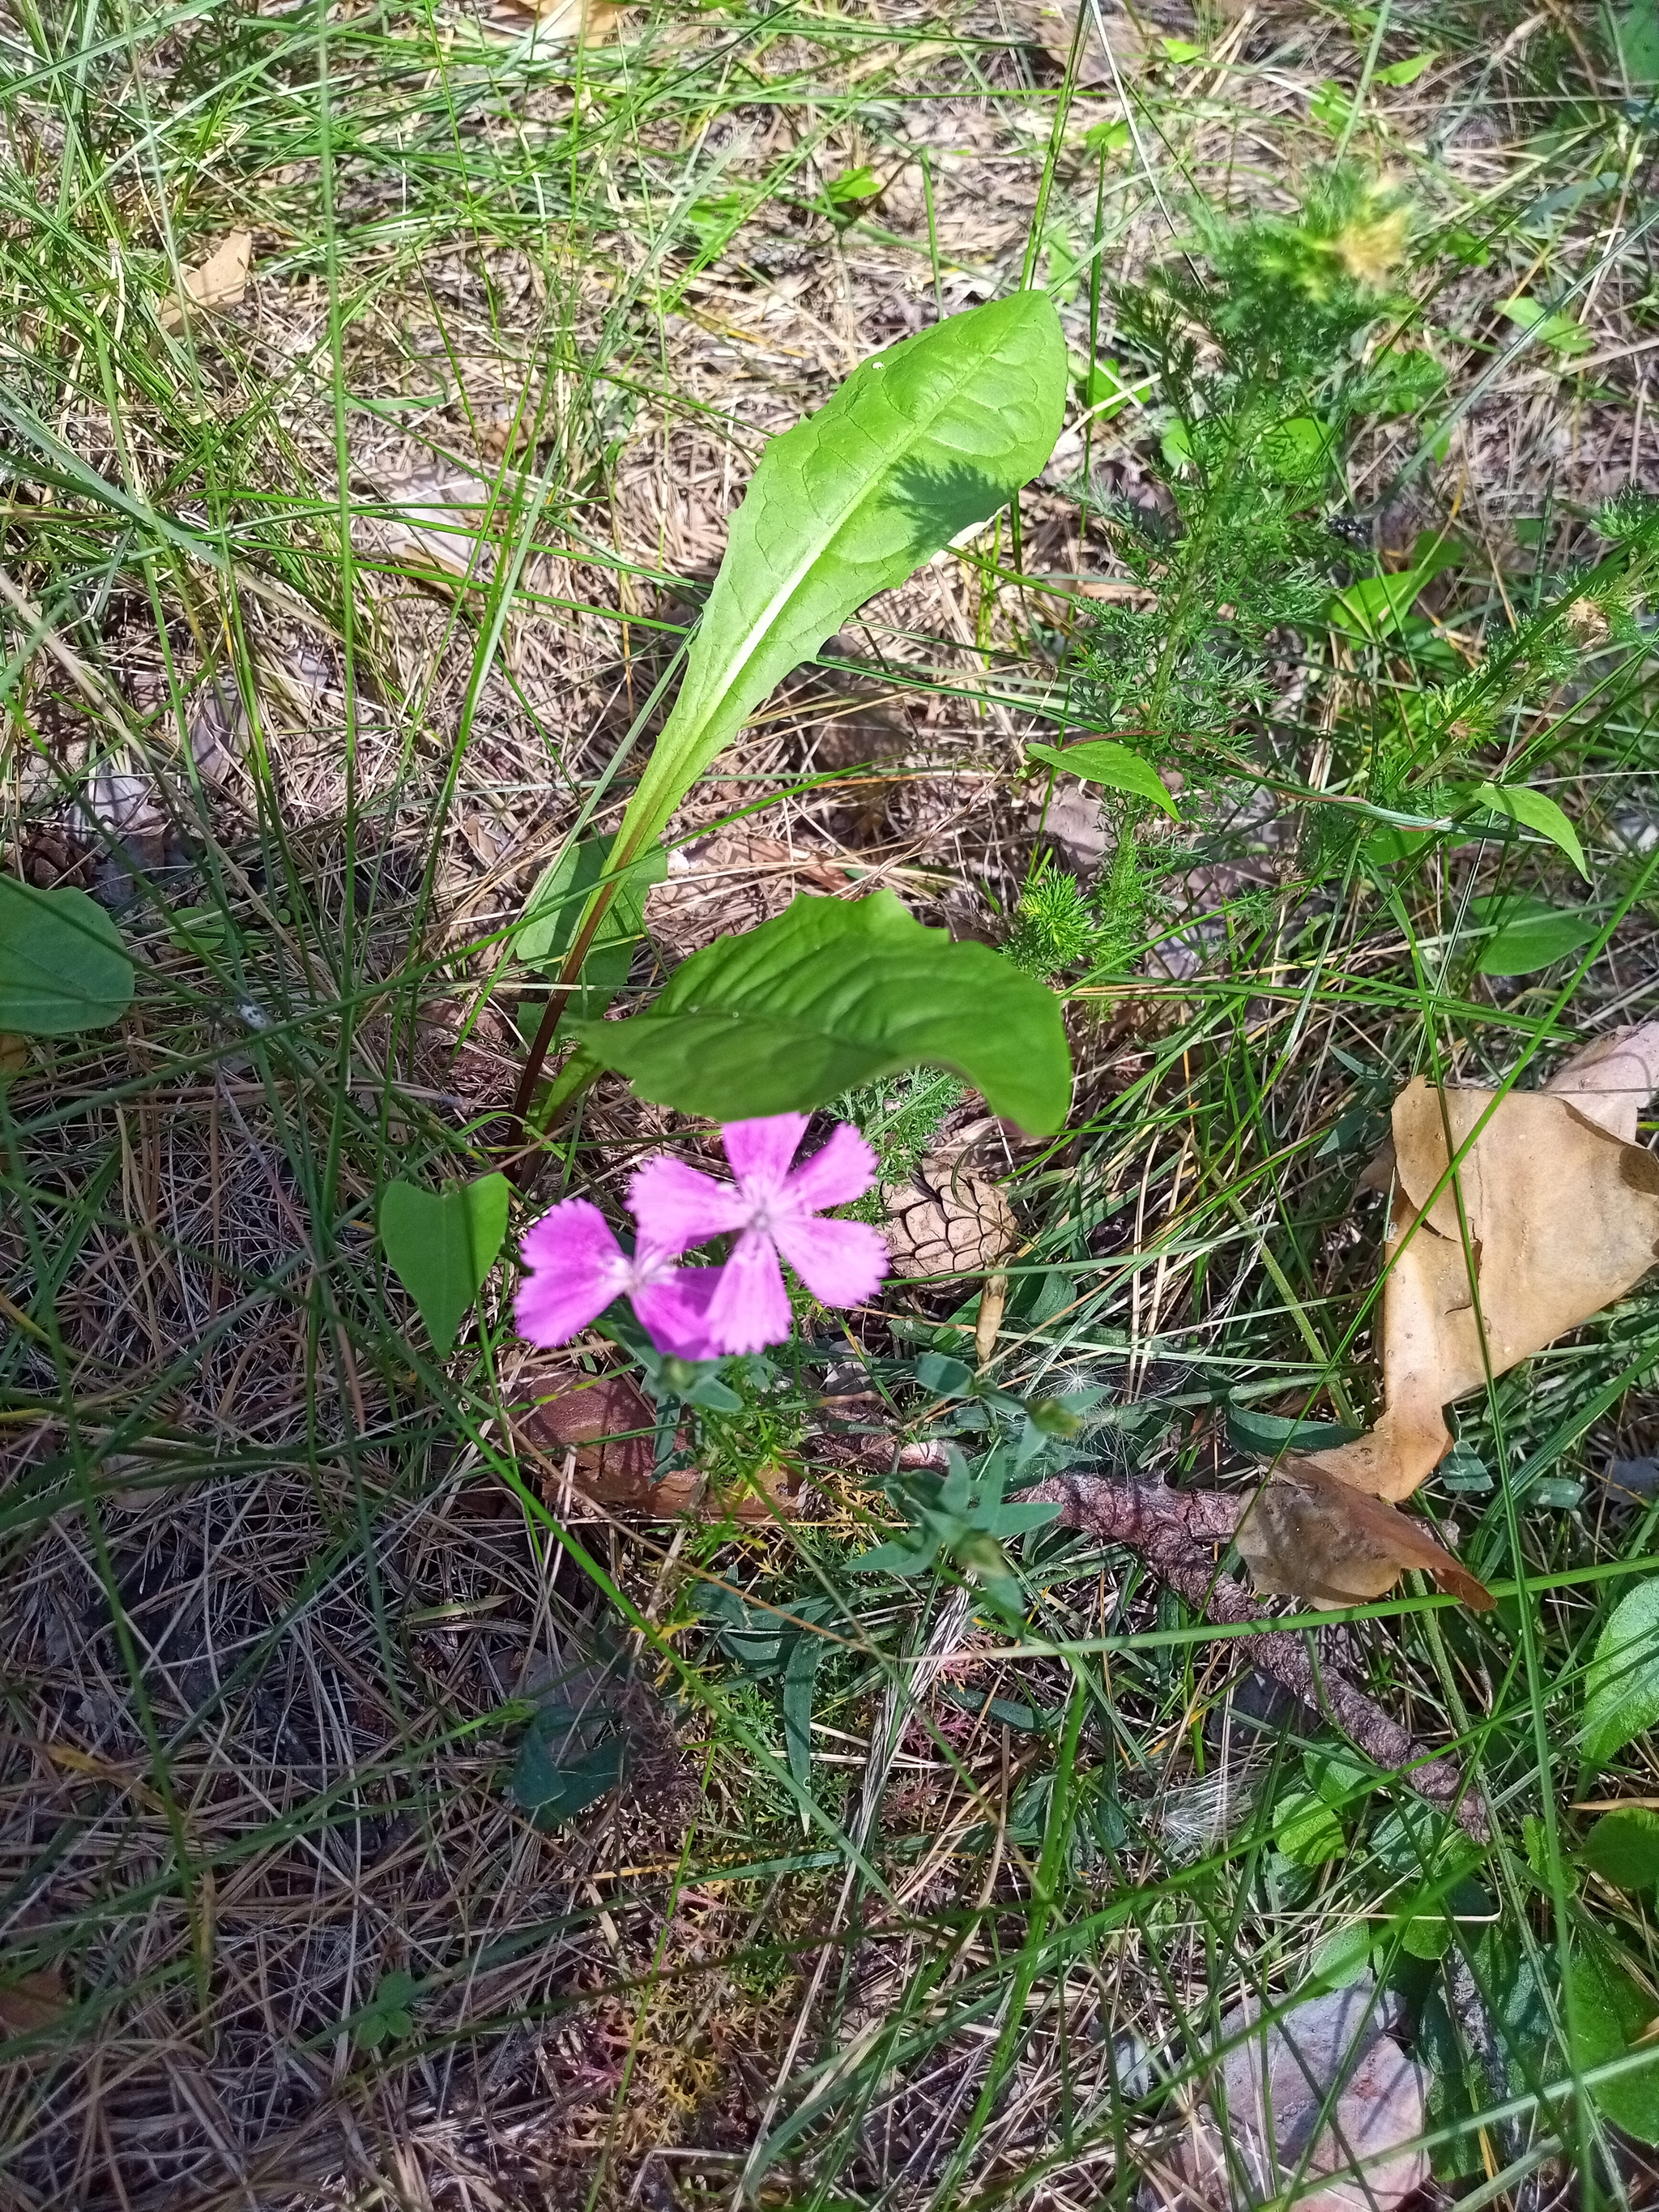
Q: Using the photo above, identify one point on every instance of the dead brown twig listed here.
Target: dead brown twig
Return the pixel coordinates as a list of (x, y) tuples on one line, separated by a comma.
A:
[(1176, 1532)]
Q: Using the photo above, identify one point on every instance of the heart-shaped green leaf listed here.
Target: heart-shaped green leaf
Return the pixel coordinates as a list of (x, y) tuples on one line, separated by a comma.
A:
[(442, 1244), (1537, 811), (62, 965), (1099, 760), (834, 993)]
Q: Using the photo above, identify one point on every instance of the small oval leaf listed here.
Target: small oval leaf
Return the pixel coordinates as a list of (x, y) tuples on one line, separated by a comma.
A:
[(442, 1245), (834, 993), (1528, 933), (1099, 760), (1624, 1847), (1536, 811), (62, 965)]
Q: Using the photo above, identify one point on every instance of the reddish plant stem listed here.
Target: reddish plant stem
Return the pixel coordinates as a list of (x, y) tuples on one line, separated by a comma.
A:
[(1176, 1532)]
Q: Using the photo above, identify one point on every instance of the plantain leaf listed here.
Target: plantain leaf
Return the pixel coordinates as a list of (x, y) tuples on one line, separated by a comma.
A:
[(442, 1244), (62, 965), (1537, 812), (1624, 1847), (1099, 760), (1613, 2019), (834, 993), (921, 443)]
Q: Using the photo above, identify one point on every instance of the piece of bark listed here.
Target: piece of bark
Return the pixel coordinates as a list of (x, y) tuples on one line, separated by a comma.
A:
[(1175, 1532), (609, 1425)]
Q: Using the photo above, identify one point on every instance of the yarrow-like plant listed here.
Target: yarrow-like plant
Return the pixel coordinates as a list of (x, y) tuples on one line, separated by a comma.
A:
[(577, 1266)]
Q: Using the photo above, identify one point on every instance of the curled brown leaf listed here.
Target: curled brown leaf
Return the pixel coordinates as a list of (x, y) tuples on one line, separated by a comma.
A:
[(1309, 1535)]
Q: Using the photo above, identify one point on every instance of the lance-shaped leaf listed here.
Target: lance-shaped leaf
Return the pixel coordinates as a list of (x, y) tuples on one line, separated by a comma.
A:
[(62, 965), (555, 906), (921, 443), (834, 993), (1099, 760)]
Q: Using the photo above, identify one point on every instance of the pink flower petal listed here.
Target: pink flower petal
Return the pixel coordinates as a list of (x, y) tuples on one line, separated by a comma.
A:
[(842, 1169), (676, 1208), (841, 1262), (674, 1312), (759, 1151), (750, 1309), (578, 1268)]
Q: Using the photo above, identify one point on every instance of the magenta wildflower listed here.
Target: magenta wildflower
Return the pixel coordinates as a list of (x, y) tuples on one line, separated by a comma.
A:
[(578, 1268), (772, 1212)]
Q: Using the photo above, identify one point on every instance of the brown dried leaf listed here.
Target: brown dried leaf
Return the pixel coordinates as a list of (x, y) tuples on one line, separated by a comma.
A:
[(220, 281), (1310, 1536), (32, 2002), (1613, 1079), (608, 1424), (590, 20), (1561, 1217), (947, 1220), (1271, 2094)]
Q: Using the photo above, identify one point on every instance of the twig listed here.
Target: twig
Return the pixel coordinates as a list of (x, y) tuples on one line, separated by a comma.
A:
[(1175, 1532)]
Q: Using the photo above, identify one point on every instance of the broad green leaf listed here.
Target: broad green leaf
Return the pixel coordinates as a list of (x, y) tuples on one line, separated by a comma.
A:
[(1099, 760), (1387, 846), (1624, 1846), (442, 1244), (1181, 51), (799, 1673), (1537, 811), (1377, 605), (555, 905), (1621, 1685), (569, 1759), (1528, 933), (1610, 2016), (1556, 329), (922, 441), (1307, 1830), (1267, 1435), (834, 993), (1405, 72), (1636, 30), (62, 965), (1108, 387), (1299, 451), (1342, 1957), (852, 187)]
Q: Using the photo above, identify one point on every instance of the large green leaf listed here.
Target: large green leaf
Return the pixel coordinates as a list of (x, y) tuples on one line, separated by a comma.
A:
[(442, 1244), (1621, 1684), (62, 965), (834, 993), (1100, 760), (921, 443), (1528, 933)]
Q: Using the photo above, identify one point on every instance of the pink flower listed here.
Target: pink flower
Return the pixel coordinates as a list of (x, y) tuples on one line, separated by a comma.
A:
[(577, 1268), (773, 1212)]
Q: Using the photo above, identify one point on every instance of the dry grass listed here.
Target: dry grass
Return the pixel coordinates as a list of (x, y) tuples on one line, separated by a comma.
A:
[(435, 497)]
